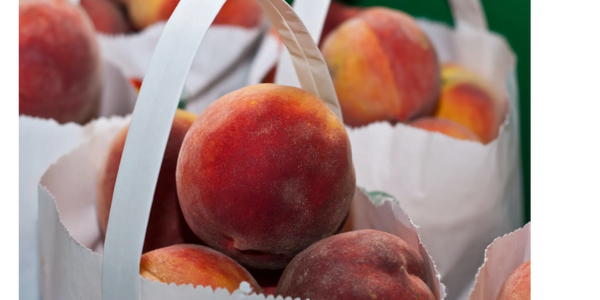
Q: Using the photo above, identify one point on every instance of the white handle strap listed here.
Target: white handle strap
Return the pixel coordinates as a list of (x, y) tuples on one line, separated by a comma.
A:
[(468, 12)]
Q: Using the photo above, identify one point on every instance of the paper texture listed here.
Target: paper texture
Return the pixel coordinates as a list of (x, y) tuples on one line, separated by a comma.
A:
[(35, 156), (502, 257)]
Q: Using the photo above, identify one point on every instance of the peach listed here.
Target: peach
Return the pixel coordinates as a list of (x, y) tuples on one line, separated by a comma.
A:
[(518, 285), (264, 172), (363, 264), (469, 101), (242, 13), (107, 16), (59, 62), (166, 225), (337, 14), (196, 265), (447, 127), (383, 66)]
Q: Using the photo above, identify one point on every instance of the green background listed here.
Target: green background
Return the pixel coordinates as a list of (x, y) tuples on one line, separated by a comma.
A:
[(510, 18)]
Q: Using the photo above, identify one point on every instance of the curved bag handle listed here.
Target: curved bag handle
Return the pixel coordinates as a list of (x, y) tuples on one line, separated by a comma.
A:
[(153, 116), (313, 13), (468, 12)]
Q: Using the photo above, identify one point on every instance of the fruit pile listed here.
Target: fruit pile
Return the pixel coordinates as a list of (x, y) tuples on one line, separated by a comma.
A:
[(60, 74), (395, 76), (125, 16), (258, 187)]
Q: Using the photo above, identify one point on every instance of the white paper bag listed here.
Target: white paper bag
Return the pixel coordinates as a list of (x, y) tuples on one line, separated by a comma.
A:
[(461, 194), (74, 264), (502, 257)]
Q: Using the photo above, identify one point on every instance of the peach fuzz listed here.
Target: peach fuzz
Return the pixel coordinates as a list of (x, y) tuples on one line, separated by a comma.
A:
[(264, 172), (166, 225), (59, 62), (383, 66), (363, 264), (518, 285), (469, 101), (196, 265), (447, 127), (107, 16), (242, 13)]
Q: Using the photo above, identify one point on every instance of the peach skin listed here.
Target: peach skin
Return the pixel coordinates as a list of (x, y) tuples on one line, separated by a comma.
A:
[(363, 264), (241, 13), (518, 285), (467, 100), (166, 225), (264, 172), (196, 265), (108, 16), (384, 68), (59, 62)]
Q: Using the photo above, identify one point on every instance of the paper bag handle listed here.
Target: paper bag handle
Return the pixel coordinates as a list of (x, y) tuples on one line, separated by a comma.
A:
[(313, 13), (468, 12), (153, 116)]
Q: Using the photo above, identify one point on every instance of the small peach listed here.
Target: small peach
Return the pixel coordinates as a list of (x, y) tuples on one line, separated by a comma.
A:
[(518, 285), (383, 66), (166, 225), (469, 101), (196, 265)]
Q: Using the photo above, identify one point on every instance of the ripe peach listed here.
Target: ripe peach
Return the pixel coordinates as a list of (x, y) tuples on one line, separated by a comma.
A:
[(383, 66), (447, 127), (363, 264), (469, 101), (107, 16), (264, 172), (518, 285), (197, 265), (242, 13), (59, 62), (337, 14), (166, 225)]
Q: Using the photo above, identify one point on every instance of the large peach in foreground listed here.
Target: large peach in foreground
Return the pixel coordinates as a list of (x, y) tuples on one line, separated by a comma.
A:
[(363, 264), (59, 62), (469, 101), (196, 265), (518, 285), (383, 66), (447, 127), (264, 172), (166, 225)]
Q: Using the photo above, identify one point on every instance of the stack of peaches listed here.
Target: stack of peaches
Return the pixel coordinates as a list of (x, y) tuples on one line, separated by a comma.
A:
[(258, 187), (385, 68), (60, 74)]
